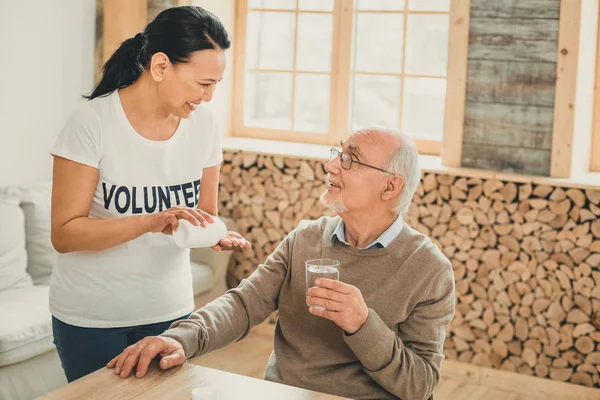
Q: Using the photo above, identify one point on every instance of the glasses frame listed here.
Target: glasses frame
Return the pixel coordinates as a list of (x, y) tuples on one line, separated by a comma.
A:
[(334, 153)]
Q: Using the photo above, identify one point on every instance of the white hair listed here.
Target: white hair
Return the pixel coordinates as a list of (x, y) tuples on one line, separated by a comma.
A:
[(403, 161)]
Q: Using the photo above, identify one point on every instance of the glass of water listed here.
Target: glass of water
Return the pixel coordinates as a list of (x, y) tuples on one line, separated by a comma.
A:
[(321, 268)]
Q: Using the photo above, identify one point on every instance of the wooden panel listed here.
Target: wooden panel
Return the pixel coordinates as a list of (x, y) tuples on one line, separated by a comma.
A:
[(516, 28), (545, 9), (513, 39), (458, 50), (566, 80), (505, 124), (122, 20), (506, 159), (510, 82)]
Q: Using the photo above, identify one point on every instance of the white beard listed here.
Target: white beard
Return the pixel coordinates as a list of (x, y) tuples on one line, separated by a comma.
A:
[(337, 205)]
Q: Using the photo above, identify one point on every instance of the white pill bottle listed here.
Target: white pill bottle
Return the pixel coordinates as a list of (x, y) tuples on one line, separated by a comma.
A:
[(194, 236)]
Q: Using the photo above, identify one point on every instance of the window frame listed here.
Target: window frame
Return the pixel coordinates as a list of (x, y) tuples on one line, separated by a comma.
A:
[(563, 128), (456, 83), (340, 81), (595, 145)]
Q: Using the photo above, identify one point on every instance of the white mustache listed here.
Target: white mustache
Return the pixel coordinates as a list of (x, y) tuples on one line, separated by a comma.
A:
[(332, 181)]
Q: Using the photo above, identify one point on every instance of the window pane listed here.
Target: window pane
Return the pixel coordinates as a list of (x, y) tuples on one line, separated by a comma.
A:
[(380, 5), (312, 103), (376, 101), (429, 5), (427, 45), (316, 5), (378, 46), (273, 4), (314, 42), (423, 108), (268, 100), (270, 43)]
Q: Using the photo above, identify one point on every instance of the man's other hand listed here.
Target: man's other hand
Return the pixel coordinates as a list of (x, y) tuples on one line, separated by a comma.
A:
[(143, 352)]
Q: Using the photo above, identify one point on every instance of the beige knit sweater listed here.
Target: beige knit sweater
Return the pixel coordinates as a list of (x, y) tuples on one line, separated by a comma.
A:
[(408, 287)]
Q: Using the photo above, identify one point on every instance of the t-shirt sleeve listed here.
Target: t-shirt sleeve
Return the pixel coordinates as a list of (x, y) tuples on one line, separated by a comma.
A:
[(80, 138), (215, 156)]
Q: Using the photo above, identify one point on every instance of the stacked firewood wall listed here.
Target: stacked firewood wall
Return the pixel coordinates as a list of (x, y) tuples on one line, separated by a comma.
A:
[(526, 257)]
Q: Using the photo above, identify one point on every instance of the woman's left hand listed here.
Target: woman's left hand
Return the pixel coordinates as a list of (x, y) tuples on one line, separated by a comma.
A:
[(231, 241)]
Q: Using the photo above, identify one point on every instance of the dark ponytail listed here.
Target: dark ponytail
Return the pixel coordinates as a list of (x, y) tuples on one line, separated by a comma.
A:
[(177, 32), (122, 68)]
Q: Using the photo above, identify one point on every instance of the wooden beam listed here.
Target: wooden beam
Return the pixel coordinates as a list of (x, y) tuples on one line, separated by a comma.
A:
[(511, 82), (506, 159), (239, 66), (526, 126), (595, 150), (122, 20), (564, 97), (514, 39), (341, 66), (295, 65), (542, 9), (458, 51)]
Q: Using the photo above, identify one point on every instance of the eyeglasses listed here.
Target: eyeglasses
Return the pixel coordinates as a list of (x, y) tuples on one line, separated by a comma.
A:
[(346, 161)]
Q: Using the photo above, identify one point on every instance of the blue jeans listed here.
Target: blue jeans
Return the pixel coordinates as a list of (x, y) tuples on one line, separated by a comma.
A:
[(85, 350)]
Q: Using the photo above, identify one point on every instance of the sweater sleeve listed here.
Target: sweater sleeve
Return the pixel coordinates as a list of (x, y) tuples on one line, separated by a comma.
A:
[(406, 360), (231, 317)]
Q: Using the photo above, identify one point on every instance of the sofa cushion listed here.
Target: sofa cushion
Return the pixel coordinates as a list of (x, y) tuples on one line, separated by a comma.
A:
[(202, 277), (13, 257), (35, 201), (26, 329)]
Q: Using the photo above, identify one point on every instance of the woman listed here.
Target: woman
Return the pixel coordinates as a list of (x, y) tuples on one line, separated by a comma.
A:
[(140, 155)]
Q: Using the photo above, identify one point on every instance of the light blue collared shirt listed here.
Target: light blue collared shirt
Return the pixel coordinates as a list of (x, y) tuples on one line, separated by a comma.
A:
[(382, 241)]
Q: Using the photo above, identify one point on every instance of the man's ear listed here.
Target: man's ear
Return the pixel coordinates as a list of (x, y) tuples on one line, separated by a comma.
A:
[(159, 64), (392, 188)]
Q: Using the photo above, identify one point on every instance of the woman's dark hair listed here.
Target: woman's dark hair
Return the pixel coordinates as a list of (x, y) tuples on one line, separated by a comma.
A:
[(177, 32)]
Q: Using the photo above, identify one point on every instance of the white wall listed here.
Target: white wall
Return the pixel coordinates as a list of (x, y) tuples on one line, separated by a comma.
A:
[(47, 49), (222, 100)]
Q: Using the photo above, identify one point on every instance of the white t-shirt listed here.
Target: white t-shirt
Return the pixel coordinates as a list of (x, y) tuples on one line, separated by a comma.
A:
[(148, 279)]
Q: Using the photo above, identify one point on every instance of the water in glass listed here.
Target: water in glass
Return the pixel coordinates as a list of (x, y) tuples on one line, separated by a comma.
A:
[(316, 269)]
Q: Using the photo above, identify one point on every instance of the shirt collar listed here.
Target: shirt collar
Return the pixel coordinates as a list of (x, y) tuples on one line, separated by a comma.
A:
[(382, 241)]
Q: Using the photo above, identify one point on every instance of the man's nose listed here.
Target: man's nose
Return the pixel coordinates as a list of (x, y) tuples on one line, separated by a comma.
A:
[(332, 166)]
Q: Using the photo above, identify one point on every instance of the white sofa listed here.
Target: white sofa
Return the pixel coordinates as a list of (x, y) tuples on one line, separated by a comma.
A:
[(29, 363)]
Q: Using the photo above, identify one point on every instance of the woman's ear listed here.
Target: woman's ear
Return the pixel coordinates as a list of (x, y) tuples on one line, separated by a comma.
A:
[(159, 64), (392, 188)]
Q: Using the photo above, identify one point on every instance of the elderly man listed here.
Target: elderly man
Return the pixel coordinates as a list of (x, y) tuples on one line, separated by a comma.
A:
[(380, 332)]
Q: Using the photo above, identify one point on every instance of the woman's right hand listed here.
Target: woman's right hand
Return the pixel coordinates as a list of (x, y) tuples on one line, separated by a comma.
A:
[(168, 221)]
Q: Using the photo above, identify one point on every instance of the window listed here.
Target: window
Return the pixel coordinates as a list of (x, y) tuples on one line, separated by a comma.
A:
[(315, 70)]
